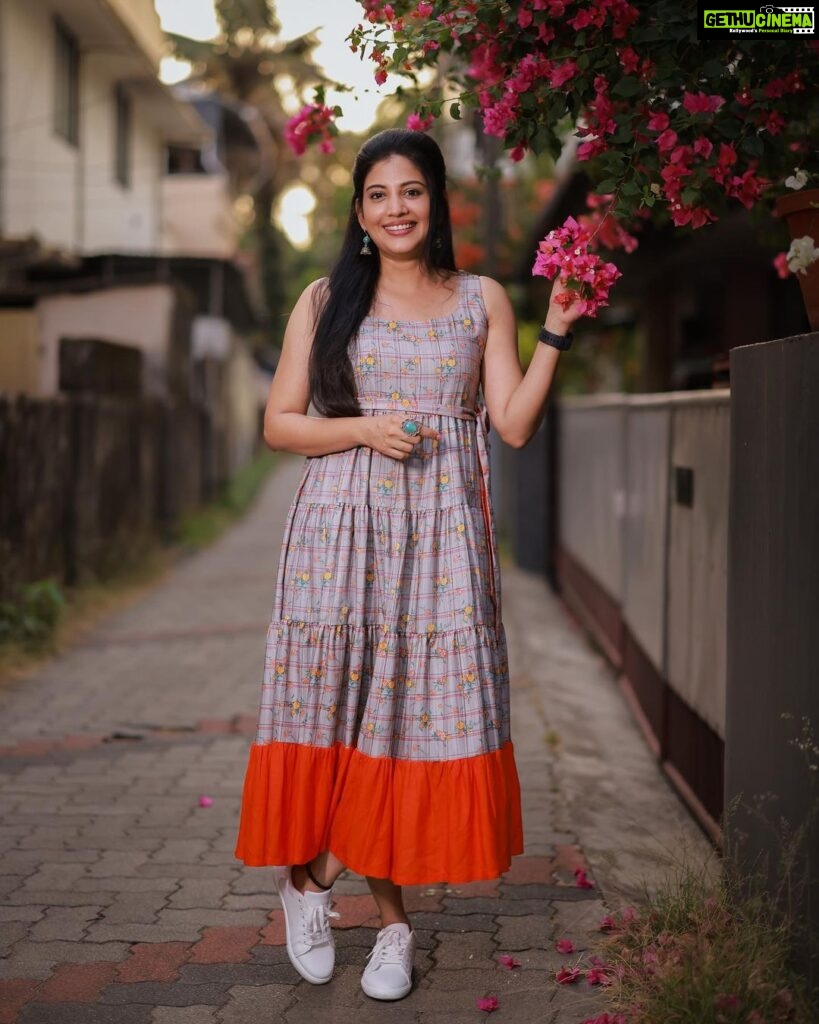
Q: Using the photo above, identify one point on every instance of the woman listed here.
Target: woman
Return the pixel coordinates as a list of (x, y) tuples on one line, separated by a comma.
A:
[(384, 742)]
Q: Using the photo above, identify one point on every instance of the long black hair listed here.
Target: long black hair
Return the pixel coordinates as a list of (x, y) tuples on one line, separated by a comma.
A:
[(348, 297)]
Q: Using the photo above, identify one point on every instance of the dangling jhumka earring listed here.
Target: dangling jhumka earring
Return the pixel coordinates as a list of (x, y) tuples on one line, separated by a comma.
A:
[(365, 249)]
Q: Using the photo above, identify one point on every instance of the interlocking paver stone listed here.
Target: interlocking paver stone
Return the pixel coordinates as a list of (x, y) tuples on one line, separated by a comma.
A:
[(119, 889)]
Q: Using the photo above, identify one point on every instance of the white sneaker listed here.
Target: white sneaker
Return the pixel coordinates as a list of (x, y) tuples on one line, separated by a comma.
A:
[(388, 975), (310, 943)]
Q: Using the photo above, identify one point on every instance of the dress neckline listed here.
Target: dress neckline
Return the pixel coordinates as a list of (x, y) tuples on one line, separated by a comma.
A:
[(459, 298)]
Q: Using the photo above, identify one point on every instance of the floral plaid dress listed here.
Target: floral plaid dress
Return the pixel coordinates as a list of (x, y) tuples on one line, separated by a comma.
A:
[(384, 723)]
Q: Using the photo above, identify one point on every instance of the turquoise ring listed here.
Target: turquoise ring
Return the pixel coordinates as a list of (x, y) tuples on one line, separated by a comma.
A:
[(411, 427)]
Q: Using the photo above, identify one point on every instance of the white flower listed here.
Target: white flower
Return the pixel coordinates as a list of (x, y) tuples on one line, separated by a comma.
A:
[(802, 254), (797, 180)]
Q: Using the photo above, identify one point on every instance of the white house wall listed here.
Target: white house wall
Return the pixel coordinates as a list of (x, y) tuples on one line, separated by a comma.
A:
[(67, 196), (40, 169), (140, 316), (117, 218)]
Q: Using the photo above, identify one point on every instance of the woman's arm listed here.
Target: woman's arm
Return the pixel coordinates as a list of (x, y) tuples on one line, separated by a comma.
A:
[(288, 428), (515, 400)]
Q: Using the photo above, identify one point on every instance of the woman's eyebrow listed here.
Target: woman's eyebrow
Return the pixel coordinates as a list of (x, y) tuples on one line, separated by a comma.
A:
[(402, 185)]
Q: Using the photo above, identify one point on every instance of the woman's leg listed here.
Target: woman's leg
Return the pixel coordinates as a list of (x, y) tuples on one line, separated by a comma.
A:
[(389, 900), (326, 868)]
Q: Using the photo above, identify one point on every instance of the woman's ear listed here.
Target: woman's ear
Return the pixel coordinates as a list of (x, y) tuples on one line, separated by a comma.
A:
[(359, 215)]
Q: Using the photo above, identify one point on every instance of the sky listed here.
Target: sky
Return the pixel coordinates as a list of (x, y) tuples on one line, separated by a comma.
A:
[(332, 18)]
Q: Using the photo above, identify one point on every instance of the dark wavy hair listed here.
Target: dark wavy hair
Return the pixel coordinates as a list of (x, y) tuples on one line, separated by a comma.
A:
[(341, 306)]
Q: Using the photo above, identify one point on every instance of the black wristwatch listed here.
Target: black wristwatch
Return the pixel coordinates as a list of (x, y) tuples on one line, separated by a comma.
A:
[(559, 341)]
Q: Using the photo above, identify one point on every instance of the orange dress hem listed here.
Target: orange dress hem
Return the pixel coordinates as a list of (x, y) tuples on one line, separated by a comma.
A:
[(414, 822)]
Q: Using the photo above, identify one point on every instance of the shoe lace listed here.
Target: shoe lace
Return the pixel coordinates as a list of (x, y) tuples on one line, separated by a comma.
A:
[(389, 948), (317, 925)]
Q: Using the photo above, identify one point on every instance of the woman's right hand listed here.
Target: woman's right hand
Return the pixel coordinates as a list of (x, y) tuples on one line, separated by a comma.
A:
[(384, 434)]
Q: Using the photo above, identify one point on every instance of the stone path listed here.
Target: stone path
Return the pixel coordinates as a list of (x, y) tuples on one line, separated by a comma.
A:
[(121, 899)]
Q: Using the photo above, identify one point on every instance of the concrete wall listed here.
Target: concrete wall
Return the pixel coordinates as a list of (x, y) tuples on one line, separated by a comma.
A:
[(592, 486), (142, 317), (698, 558), (197, 216), (642, 549)]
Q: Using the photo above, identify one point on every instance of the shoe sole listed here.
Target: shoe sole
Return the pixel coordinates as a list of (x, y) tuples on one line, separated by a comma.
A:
[(386, 999), (294, 960)]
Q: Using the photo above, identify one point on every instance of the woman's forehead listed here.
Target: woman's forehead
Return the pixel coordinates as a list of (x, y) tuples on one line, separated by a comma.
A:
[(393, 170)]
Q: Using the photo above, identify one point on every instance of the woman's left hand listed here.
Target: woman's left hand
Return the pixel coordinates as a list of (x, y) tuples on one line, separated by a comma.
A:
[(560, 318)]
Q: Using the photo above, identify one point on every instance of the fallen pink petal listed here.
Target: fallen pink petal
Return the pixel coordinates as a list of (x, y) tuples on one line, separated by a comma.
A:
[(205, 801), (509, 962), (567, 975), (488, 1004), (608, 924), (597, 976), (581, 880), (564, 946)]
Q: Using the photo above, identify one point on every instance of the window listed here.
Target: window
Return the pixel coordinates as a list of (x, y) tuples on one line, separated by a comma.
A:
[(66, 84), (122, 136)]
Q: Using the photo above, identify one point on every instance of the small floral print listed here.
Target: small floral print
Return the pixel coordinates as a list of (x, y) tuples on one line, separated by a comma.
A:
[(366, 364), (392, 325), (295, 708), (567, 975), (301, 579), (443, 482), (385, 486), (565, 946), (371, 729), (488, 1004), (424, 720), (467, 321), (326, 576), (441, 583), (467, 612), (353, 680), (388, 688), (581, 881), (508, 961), (369, 577)]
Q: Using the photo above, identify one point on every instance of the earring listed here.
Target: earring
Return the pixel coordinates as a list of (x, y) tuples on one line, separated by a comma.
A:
[(365, 249)]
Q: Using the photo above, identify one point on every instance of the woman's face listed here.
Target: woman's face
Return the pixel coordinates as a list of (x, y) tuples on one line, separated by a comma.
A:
[(395, 207)]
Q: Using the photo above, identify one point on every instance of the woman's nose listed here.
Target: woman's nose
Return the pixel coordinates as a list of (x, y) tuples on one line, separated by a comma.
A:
[(397, 204)]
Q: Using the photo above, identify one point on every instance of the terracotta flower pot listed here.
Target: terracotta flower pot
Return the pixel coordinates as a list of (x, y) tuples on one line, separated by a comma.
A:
[(800, 211)]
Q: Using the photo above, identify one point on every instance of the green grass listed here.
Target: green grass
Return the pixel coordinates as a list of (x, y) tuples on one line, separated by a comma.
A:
[(202, 526), (702, 950)]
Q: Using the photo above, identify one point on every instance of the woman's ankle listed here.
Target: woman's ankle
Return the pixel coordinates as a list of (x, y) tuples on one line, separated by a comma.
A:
[(301, 879), (388, 919)]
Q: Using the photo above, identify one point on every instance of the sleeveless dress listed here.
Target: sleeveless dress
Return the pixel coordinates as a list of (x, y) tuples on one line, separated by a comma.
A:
[(384, 731)]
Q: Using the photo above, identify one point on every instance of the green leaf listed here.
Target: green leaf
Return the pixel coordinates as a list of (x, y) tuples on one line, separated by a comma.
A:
[(455, 111), (753, 146), (628, 86), (713, 69), (729, 127), (690, 196), (400, 54), (606, 185)]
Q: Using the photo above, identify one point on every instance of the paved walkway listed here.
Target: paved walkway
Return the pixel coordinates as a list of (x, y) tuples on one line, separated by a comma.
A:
[(121, 897)]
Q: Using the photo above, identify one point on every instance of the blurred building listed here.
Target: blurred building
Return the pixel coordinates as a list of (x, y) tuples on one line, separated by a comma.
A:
[(103, 240)]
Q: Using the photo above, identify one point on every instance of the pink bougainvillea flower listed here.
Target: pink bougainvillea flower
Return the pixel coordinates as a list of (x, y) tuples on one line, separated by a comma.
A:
[(205, 801), (597, 976), (608, 924), (699, 103), (567, 975), (314, 120), (658, 122), (564, 946), (419, 124), (629, 914), (509, 962), (581, 880), (488, 1004), (780, 262)]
